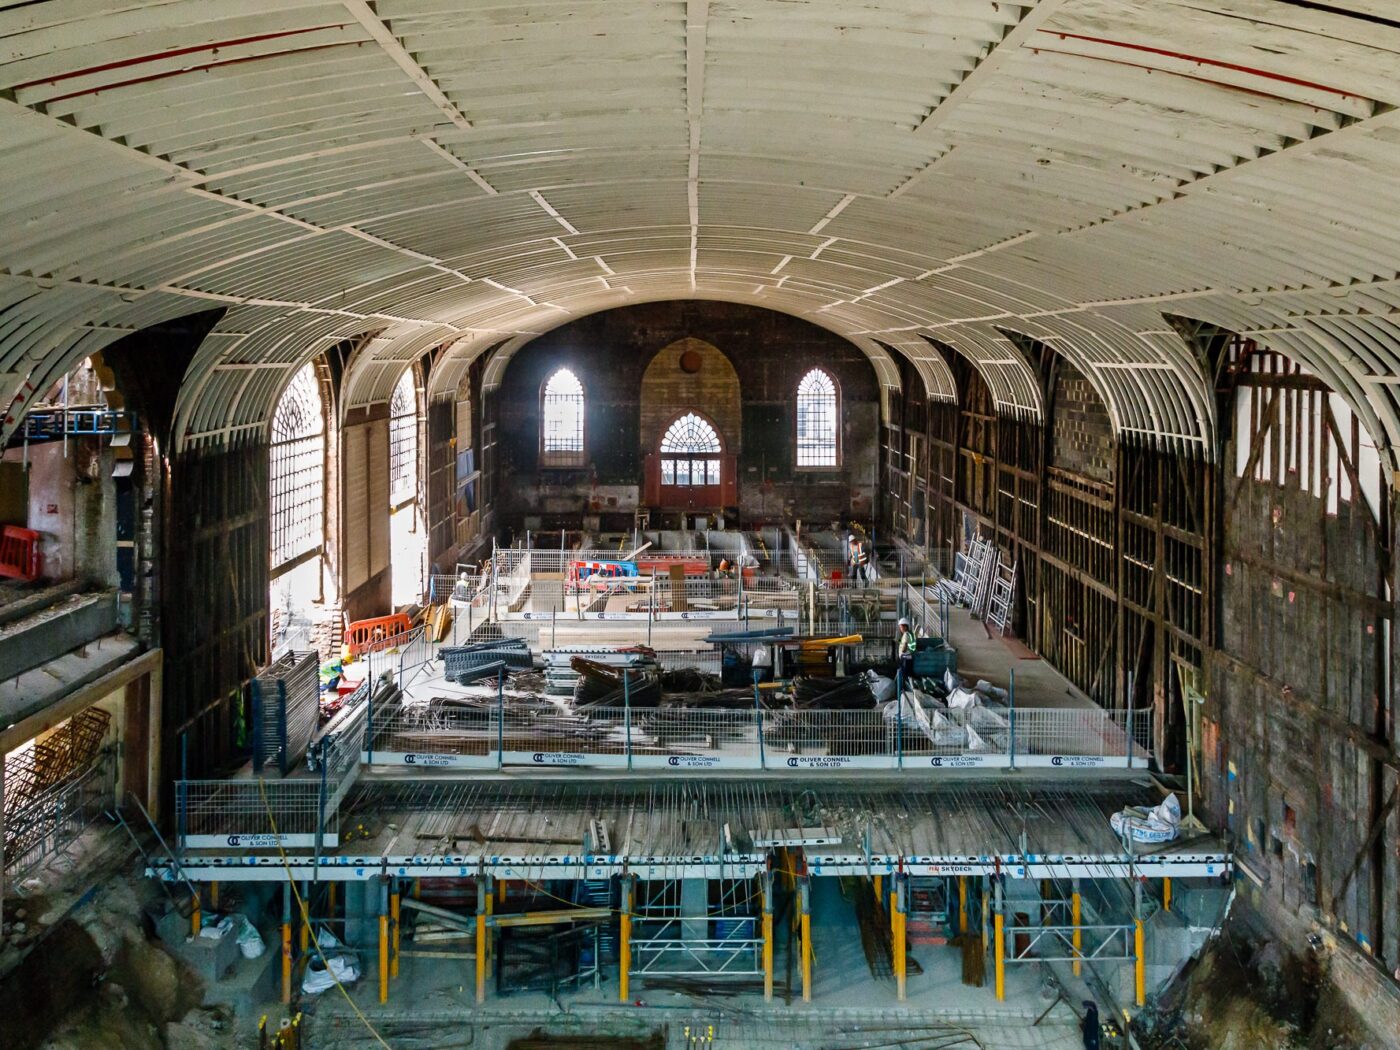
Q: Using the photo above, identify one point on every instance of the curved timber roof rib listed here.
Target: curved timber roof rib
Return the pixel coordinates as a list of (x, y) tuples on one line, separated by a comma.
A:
[(417, 173)]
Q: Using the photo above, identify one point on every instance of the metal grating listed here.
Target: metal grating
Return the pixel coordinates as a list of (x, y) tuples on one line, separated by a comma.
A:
[(286, 711)]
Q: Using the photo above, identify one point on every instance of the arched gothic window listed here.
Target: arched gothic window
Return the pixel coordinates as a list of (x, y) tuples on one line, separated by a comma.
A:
[(816, 420), (297, 459), (561, 435), (690, 453), (403, 441)]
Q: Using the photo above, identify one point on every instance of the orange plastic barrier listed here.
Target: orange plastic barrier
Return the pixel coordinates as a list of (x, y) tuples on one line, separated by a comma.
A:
[(19, 553), (661, 565), (365, 636)]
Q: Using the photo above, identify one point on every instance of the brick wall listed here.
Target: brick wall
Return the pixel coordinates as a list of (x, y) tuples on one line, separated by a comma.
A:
[(610, 353), (1082, 436)]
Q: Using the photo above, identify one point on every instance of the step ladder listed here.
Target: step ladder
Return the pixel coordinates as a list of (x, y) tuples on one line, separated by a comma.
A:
[(982, 596), (1002, 591), (968, 570)]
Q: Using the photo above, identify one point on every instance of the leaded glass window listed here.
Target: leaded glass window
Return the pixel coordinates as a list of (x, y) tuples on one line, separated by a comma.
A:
[(297, 458), (403, 441), (816, 420), (690, 453)]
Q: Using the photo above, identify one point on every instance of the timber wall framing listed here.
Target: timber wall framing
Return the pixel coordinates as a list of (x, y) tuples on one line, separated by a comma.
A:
[(1263, 582), (1110, 539), (214, 583), (1298, 727)]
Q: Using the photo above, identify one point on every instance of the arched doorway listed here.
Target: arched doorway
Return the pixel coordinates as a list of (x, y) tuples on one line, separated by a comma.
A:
[(691, 469)]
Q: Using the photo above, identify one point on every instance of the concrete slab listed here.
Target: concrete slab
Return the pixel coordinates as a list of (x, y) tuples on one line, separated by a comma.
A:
[(48, 632), (32, 691)]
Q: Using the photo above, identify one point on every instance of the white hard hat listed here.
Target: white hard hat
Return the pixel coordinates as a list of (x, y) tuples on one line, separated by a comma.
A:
[(850, 535), (904, 620)]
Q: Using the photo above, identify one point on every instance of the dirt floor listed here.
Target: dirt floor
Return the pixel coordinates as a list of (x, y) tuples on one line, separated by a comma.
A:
[(96, 979), (1248, 992)]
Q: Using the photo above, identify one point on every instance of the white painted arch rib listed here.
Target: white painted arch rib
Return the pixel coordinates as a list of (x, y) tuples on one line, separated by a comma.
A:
[(437, 173)]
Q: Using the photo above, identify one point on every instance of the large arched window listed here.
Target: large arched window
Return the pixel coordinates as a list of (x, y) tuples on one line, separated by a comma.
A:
[(408, 547), (690, 452), (561, 432), (403, 441), (816, 420), (297, 466)]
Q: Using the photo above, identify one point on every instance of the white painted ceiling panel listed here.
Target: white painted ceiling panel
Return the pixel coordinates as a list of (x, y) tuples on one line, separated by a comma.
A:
[(432, 171)]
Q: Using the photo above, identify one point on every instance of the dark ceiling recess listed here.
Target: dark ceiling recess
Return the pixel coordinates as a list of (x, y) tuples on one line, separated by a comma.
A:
[(150, 364), (1345, 12)]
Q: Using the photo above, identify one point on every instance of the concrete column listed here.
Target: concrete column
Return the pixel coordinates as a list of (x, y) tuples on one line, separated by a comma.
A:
[(695, 909), (360, 907)]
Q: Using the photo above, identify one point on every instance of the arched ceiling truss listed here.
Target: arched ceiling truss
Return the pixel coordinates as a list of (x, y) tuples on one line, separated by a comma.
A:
[(428, 172)]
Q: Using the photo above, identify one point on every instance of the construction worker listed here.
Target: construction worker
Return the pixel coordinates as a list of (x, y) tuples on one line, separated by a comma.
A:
[(762, 664), (858, 558), (1089, 1027), (905, 647)]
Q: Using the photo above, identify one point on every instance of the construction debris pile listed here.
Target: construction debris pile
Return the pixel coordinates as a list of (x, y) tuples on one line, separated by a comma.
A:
[(605, 699)]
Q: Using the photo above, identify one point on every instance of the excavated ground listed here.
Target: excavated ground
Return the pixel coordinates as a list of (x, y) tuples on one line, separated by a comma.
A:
[(1249, 992), (96, 979)]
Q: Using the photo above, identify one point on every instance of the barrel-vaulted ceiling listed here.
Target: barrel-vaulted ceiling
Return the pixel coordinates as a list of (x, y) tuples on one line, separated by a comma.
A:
[(907, 173)]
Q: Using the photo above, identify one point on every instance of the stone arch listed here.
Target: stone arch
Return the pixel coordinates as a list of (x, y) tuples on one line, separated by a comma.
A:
[(691, 375)]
